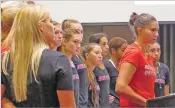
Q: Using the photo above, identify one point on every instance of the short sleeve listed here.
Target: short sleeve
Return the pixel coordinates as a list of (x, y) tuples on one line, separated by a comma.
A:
[(131, 56), (63, 71), (3, 84), (167, 75), (2, 78)]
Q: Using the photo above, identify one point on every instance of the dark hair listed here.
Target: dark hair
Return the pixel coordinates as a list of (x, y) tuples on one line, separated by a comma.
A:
[(116, 42), (141, 20), (95, 38)]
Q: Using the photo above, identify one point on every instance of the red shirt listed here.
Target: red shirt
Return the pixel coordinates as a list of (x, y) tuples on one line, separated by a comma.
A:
[(4, 48), (143, 79)]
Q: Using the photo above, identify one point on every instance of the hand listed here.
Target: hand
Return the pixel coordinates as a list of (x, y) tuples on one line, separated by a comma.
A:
[(111, 99)]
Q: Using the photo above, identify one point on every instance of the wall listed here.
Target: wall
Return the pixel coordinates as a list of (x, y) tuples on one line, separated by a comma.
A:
[(105, 11)]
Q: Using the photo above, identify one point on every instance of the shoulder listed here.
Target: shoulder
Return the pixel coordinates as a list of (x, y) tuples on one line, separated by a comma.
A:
[(163, 66), (53, 57), (47, 53), (106, 63), (50, 55), (76, 60), (132, 50)]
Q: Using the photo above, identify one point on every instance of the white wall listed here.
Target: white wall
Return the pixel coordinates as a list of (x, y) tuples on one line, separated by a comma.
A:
[(106, 11)]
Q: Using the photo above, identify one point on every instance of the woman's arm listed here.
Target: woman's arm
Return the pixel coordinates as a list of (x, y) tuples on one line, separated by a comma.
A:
[(125, 75), (66, 98), (6, 103), (166, 90), (2, 90)]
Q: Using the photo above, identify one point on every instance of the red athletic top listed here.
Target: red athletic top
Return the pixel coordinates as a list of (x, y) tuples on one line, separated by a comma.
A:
[(4, 48), (143, 79)]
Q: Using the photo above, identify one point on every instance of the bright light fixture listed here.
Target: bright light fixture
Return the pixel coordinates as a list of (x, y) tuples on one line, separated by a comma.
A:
[(154, 2)]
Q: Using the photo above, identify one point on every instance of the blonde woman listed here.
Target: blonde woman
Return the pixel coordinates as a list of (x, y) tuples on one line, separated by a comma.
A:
[(92, 55), (80, 66), (8, 13), (33, 75), (70, 46)]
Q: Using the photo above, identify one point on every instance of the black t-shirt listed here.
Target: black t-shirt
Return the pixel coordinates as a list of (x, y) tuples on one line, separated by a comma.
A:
[(82, 72), (54, 74), (90, 101), (103, 80), (113, 73), (162, 79), (76, 84)]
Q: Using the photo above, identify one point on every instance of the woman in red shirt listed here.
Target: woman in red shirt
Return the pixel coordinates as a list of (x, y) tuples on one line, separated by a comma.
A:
[(135, 83)]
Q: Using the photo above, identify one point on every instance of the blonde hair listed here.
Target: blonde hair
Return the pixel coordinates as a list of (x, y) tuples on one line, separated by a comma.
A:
[(27, 47), (55, 23), (91, 78), (8, 14), (66, 24)]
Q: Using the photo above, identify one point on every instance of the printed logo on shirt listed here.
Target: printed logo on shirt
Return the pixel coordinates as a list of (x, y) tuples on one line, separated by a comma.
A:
[(75, 76), (104, 77), (160, 81), (149, 71), (97, 87), (81, 66)]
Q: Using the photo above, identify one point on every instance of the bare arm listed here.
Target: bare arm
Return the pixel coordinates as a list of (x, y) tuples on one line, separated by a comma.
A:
[(66, 98), (2, 90), (5, 103), (125, 75), (166, 90)]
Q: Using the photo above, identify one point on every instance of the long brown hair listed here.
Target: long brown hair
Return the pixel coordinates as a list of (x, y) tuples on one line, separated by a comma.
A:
[(91, 77)]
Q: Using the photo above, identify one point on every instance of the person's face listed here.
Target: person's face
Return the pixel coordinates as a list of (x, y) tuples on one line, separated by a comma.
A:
[(73, 45), (104, 46), (78, 27), (95, 56), (47, 29), (120, 51), (150, 33), (155, 51), (58, 35)]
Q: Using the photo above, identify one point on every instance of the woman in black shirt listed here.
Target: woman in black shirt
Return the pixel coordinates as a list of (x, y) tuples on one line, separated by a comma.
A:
[(162, 72), (33, 75), (71, 46), (92, 57), (117, 46)]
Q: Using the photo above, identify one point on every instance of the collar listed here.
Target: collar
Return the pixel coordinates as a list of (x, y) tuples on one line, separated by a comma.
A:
[(158, 63), (112, 62)]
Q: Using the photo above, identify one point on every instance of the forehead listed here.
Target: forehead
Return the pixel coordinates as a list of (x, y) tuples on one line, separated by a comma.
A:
[(153, 24), (58, 27), (124, 45), (76, 26), (156, 45), (103, 39), (97, 48), (77, 36)]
